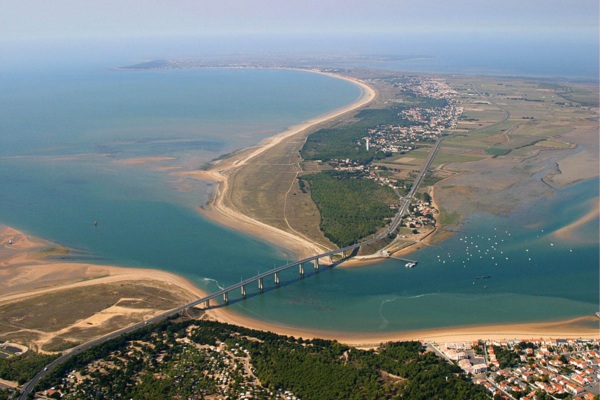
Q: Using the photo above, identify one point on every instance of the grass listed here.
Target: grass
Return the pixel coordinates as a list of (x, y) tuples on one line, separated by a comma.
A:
[(554, 144), (495, 152), (449, 218), (58, 310), (443, 158)]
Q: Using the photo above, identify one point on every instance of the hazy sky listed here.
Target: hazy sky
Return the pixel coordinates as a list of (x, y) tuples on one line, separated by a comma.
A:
[(36, 19)]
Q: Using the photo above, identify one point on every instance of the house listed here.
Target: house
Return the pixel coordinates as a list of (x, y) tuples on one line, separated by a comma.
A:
[(479, 369)]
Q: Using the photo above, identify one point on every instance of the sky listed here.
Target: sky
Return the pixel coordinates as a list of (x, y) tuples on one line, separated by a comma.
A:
[(64, 19), (562, 35)]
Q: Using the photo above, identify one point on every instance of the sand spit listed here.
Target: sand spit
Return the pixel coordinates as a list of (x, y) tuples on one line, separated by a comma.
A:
[(221, 210), (26, 271)]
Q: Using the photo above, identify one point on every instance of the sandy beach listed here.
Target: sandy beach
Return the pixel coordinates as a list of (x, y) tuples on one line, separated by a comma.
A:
[(573, 328), (221, 210), (24, 274), (28, 269)]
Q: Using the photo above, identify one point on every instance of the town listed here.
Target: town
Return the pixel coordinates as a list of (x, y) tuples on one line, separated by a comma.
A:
[(414, 127), (531, 369), (197, 360)]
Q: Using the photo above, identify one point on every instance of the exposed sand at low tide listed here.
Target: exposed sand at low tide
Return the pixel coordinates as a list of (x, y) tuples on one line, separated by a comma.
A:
[(23, 272), (220, 208)]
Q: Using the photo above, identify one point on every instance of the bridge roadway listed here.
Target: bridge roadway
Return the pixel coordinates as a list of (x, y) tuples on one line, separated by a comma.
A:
[(28, 388)]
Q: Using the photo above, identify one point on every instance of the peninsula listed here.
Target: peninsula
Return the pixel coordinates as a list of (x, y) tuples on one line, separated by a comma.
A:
[(481, 128)]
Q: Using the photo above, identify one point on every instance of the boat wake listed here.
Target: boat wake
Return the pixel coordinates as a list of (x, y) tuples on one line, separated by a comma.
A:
[(385, 323), (418, 296), (214, 281)]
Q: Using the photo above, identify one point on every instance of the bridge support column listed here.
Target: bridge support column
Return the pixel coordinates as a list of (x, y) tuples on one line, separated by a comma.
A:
[(301, 269), (316, 263), (226, 297), (243, 288), (207, 304), (344, 254), (276, 278), (260, 284)]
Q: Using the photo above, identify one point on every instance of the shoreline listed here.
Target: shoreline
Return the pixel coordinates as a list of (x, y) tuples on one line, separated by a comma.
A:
[(570, 328), (220, 209), (25, 275)]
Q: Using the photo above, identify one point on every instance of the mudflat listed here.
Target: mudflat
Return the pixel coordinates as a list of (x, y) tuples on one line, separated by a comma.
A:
[(538, 145)]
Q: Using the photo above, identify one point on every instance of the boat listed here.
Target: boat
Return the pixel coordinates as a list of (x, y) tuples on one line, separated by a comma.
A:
[(410, 264)]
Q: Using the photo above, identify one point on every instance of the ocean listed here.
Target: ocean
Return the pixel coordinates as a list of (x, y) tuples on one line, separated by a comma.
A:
[(67, 134)]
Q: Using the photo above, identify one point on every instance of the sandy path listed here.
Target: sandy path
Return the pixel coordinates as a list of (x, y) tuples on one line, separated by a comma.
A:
[(221, 209)]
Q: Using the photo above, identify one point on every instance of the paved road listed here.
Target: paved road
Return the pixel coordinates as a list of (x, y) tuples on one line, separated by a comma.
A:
[(28, 388)]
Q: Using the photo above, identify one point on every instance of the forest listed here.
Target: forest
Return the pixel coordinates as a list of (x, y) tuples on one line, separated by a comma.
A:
[(344, 142), (23, 367), (351, 207), (201, 359)]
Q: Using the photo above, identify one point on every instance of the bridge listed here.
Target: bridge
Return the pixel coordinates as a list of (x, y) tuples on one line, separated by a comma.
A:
[(242, 286)]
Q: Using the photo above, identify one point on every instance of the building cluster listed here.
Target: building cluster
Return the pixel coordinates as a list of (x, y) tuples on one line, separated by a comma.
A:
[(560, 368), (420, 214), (222, 371), (420, 86), (417, 124)]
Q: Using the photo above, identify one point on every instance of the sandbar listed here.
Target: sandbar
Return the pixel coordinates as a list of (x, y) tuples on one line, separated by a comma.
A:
[(220, 208), (24, 272)]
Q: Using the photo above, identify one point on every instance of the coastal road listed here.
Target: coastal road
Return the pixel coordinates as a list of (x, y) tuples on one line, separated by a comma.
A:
[(425, 168), (28, 388)]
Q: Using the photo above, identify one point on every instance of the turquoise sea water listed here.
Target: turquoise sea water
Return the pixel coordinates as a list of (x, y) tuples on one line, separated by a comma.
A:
[(65, 135)]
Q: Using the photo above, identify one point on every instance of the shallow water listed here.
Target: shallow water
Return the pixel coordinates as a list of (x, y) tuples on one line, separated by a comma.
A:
[(66, 134)]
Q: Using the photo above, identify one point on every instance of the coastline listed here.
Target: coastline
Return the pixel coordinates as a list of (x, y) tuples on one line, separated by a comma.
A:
[(571, 328), (25, 274), (220, 209)]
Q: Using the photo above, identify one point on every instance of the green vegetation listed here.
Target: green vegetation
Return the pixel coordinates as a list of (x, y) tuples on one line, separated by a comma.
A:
[(24, 367), (337, 144), (198, 359), (449, 219), (494, 151), (506, 357), (5, 394), (345, 142), (351, 207)]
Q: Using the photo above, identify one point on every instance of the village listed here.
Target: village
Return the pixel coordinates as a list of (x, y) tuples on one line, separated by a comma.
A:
[(415, 125), (418, 124), (530, 369)]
